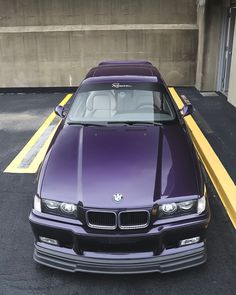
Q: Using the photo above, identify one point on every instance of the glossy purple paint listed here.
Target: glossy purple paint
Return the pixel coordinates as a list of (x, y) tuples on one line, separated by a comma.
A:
[(126, 71), (90, 164), (147, 164)]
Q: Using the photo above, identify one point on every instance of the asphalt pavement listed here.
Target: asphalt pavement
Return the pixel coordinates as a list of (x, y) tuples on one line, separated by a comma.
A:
[(20, 116), (217, 119)]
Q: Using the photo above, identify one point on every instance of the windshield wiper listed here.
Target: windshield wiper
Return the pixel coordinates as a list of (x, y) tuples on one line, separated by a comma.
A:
[(122, 123), (87, 124), (135, 123)]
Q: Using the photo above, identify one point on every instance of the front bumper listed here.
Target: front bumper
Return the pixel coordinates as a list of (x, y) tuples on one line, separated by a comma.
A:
[(166, 262), (155, 250)]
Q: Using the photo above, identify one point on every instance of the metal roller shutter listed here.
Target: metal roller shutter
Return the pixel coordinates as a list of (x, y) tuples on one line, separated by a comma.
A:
[(233, 3)]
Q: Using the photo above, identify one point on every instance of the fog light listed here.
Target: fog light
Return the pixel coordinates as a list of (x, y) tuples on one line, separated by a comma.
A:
[(189, 241), (49, 241)]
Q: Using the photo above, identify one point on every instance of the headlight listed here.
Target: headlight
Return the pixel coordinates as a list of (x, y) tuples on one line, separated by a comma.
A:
[(182, 208), (59, 208), (51, 205), (177, 209), (168, 209), (187, 205), (68, 208)]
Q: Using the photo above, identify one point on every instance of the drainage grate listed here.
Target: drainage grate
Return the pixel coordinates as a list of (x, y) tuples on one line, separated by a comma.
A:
[(209, 93)]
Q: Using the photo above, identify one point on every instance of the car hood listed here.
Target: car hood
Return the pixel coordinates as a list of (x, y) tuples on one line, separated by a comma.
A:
[(88, 165)]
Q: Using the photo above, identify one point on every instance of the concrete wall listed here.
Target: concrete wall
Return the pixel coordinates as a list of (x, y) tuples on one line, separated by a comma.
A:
[(55, 42), (232, 81), (213, 23)]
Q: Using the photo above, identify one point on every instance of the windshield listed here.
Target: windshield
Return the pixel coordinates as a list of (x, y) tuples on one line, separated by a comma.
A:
[(116, 103)]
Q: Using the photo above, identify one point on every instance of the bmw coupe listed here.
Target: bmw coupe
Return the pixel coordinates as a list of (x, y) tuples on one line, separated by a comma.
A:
[(121, 189)]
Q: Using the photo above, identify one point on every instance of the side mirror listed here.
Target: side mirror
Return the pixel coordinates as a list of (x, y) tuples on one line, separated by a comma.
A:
[(60, 111), (188, 107), (186, 110)]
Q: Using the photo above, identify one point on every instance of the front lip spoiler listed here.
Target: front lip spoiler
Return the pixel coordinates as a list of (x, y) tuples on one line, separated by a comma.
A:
[(163, 263)]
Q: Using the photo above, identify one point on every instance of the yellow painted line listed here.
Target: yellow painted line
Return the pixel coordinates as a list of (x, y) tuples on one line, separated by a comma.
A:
[(33, 167), (220, 178)]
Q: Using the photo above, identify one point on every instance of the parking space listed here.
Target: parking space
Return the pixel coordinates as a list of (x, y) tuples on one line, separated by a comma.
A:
[(21, 115), (217, 119)]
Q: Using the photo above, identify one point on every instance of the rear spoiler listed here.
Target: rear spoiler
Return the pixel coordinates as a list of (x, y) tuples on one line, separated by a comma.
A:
[(124, 62)]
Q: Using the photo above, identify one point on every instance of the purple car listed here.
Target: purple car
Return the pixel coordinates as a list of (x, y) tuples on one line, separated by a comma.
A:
[(121, 189)]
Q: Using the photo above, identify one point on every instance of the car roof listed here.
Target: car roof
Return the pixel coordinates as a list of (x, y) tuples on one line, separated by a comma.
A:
[(119, 70)]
